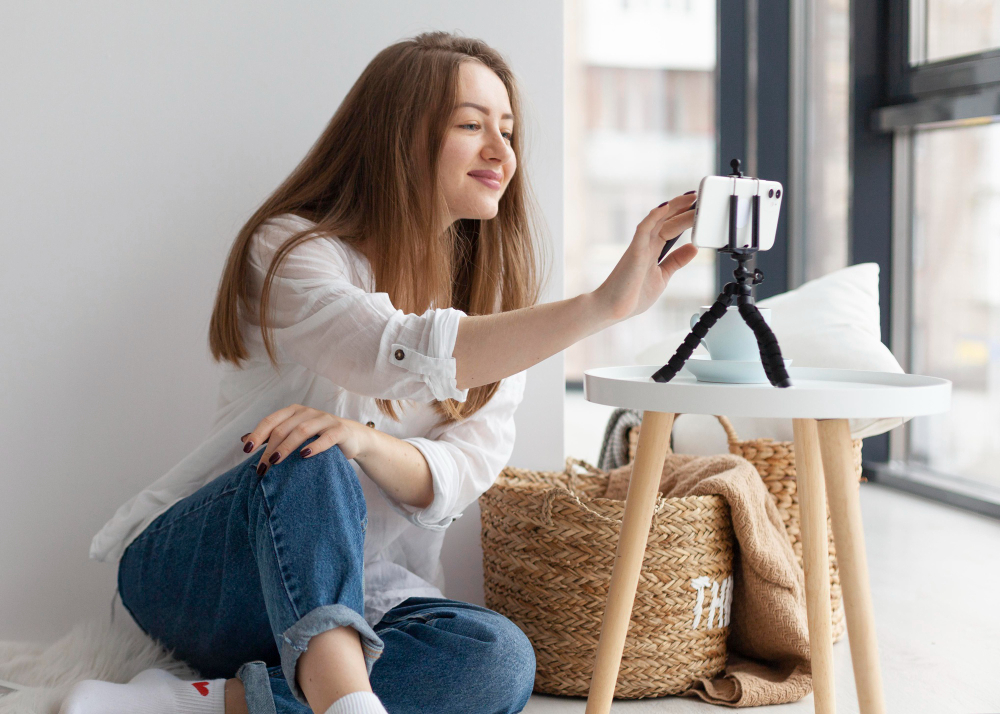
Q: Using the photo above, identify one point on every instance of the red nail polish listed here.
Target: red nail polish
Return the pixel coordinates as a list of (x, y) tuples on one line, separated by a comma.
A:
[(274, 457), (688, 193), (305, 452), (261, 469), (248, 447), (663, 204)]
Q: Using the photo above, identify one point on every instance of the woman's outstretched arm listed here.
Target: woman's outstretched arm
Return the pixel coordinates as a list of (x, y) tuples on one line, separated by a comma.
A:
[(491, 347)]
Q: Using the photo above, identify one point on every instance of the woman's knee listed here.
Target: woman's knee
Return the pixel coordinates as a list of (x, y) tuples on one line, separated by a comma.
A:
[(520, 651), (494, 656), (316, 481), (511, 662)]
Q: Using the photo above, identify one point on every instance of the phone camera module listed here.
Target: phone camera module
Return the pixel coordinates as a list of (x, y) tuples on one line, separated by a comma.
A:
[(770, 193), (777, 194)]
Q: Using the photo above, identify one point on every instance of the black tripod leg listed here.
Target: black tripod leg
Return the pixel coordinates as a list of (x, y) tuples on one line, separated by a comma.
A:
[(767, 343), (700, 329)]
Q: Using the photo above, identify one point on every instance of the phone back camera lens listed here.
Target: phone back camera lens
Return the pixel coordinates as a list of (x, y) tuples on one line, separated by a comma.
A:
[(770, 194), (777, 194)]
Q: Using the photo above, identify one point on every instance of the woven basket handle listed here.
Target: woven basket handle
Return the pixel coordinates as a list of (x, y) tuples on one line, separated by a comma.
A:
[(573, 475), (731, 435), (585, 510), (571, 478)]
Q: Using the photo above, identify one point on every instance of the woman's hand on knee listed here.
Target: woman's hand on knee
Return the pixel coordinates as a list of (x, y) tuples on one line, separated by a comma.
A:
[(286, 429)]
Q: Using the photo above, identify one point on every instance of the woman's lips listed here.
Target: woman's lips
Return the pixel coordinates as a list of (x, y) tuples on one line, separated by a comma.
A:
[(489, 182)]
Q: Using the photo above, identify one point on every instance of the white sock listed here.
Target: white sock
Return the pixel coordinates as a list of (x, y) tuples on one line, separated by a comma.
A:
[(153, 691), (357, 703)]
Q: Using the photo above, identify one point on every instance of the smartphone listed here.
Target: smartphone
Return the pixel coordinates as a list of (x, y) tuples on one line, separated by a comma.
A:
[(711, 216)]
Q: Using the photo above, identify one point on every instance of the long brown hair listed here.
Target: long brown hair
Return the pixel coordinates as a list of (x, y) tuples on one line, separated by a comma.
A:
[(371, 179)]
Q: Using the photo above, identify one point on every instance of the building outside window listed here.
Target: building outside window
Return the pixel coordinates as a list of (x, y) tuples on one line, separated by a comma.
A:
[(640, 114)]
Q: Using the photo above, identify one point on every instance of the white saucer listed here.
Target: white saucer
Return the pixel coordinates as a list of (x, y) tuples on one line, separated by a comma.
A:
[(706, 369)]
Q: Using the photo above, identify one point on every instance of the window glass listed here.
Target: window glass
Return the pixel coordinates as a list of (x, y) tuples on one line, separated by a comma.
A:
[(640, 129), (825, 244), (956, 297), (952, 28)]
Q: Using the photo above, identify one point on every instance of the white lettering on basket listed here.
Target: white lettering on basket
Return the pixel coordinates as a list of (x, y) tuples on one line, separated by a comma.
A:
[(720, 609)]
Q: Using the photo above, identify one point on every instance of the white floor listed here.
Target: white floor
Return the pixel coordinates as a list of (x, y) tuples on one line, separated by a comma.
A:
[(935, 575)]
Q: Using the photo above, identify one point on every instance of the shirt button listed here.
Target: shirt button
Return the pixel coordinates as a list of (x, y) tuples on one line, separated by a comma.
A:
[(400, 354), (371, 424)]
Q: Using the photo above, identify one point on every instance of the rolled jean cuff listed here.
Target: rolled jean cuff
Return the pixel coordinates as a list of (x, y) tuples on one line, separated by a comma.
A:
[(256, 687), (295, 639)]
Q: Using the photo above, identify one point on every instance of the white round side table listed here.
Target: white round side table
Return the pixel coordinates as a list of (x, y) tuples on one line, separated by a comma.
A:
[(820, 402)]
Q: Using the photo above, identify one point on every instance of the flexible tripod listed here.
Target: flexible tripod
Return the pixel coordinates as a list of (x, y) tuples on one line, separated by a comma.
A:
[(740, 290)]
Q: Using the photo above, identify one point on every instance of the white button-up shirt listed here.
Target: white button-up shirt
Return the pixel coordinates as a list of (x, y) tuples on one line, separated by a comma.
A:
[(340, 345)]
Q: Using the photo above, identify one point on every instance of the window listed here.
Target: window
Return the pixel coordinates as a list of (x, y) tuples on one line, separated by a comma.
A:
[(640, 107), (823, 199), (939, 106), (943, 29), (955, 297)]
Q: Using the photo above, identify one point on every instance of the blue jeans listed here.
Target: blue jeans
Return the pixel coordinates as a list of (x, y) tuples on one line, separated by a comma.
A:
[(236, 578)]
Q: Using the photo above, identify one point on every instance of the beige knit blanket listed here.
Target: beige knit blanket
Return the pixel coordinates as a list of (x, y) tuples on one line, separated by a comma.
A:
[(768, 637)]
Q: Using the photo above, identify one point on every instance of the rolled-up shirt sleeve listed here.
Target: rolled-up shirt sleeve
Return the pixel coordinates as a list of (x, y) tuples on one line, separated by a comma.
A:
[(323, 320), (466, 457)]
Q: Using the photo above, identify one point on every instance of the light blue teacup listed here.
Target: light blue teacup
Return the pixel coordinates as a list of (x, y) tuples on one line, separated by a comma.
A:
[(731, 338)]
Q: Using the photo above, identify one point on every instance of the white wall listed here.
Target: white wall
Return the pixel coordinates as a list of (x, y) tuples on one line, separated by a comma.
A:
[(135, 140)]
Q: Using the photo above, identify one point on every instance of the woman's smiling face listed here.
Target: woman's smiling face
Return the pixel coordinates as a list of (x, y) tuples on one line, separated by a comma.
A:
[(477, 161)]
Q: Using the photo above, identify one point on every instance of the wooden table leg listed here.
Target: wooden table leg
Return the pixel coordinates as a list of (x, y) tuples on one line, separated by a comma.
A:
[(654, 436), (849, 538), (816, 561)]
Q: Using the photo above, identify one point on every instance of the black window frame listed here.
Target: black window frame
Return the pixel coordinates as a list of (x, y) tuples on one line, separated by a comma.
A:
[(753, 121), (931, 93), (889, 97), (894, 98)]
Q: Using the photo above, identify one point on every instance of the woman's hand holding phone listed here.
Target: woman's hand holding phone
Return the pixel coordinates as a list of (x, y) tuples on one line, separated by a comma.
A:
[(638, 279), (286, 429)]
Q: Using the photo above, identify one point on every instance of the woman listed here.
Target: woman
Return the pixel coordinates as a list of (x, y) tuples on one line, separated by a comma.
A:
[(394, 269)]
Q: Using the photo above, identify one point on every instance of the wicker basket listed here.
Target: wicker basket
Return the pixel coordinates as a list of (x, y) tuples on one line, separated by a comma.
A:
[(549, 543), (775, 462)]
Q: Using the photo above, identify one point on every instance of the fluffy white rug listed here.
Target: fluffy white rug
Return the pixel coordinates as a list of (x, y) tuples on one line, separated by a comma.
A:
[(93, 649)]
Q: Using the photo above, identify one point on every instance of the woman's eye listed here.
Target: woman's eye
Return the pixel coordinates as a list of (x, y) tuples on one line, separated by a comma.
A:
[(508, 134)]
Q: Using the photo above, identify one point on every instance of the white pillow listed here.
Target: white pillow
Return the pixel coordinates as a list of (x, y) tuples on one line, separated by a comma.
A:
[(832, 321)]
